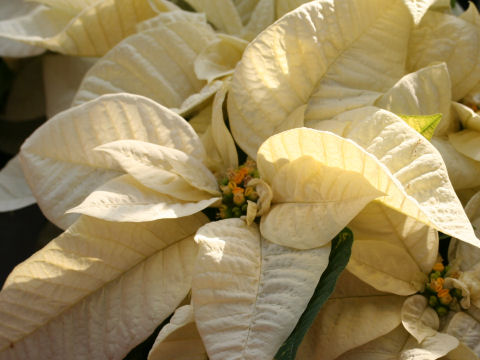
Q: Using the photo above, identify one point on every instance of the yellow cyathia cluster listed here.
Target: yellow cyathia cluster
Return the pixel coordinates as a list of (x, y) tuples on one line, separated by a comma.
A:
[(439, 297), (236, 192)]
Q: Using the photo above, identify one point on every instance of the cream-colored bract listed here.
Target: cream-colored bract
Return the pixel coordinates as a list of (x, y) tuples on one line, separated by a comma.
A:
[(179, 339), (399, 344), (248, 293), (157, 63), (84, 30), (329, 56), (353, 315), (392, 252), (105, 286), (358, 322), (14, 190), (298, 154), (61, 163), (413, 162), (453, 40), (424, 92)]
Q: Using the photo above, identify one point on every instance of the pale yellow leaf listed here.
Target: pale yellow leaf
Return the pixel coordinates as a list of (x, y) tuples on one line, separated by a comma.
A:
[(466, 329), (466, 142), (125, 199), (90, 32), (248, 293), (320, 182), (221, 13), (353, 315), (419, 318), (179, 339), (261, 18), (399, 345), (59, 160), (464, 173), (392, 252), (424, 92), (329, 55), (224, 146), (415, 163), (97, 290), (219, 58), (14, 14), (157, 63), (14, 191), (163, 169), (448, 38), (72, 6), (468, 118)]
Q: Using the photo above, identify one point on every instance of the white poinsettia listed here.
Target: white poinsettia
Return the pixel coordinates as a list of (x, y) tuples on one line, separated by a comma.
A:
[(269, 94), (14, 191), (243, 18), (127, 159), (313, 174), (84, 28), (319, 60), (360, 322), (97, 290), (174, 60)]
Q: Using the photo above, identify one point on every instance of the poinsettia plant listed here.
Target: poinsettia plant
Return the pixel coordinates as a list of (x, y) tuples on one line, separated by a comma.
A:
[(169, 226)]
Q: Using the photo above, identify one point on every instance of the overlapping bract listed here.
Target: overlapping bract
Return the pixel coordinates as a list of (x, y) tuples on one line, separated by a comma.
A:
[(331, 66)]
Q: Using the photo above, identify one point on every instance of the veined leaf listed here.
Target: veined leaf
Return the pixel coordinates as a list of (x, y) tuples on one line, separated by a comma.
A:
[(337, 261), (14, 190), (91, 31), (424, 124), (324, 58), (248, 293), (72, 137), (157, 63), (97, 290)]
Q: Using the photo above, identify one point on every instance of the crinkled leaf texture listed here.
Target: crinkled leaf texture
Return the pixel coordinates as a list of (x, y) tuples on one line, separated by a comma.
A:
[(320, 175), (59, 160), (426, 91), (355, 314), (91, 31), (392, 252), (324, 57), (179, 339), (248, 293), (338, 259), (400, 345), (14, 190), (97, 290), (452, 39), (414, 163), (157, 63)]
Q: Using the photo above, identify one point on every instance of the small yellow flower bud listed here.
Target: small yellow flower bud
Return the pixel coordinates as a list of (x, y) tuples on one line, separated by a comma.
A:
[(438, 267), (437, 284), (238, 196), (445, 297)]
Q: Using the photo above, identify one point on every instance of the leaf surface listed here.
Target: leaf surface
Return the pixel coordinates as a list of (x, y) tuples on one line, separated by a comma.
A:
[(98, 289)]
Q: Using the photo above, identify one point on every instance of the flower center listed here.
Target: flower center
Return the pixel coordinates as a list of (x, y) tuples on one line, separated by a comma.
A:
[(236, 192), (441, 298)]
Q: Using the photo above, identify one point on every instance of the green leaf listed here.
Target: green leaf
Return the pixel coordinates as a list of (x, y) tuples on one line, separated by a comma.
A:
[(339, 256), (424, 124)]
